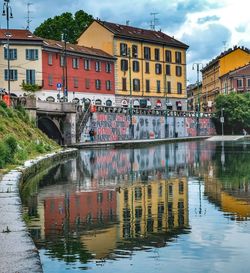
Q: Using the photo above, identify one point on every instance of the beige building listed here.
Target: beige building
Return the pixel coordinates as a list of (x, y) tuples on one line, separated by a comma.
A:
[(150, 67), (25, 59)]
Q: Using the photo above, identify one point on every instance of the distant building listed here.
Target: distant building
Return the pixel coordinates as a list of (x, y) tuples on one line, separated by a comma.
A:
[(150, 67), (237, 80), (224, 63)]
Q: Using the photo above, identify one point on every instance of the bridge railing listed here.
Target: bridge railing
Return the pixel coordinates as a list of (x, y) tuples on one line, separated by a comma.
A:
[(152, 112)]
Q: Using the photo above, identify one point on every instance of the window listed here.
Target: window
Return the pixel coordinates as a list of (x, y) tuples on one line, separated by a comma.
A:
[(108, 67), (50, 59), (30, 76), (181, 187), (124, 84), (123, 49), (157, 68), (75, 80), (108, 85), (158, 86), (147, 68), (136, 66), (168, 56), (179, 88), (138, 193), (50, 79), (12, 52), (170, 189), (169, 87), (136, 85), (147, 53), (87, 83), (147, 85), (124, 65), (32, 54), (178, 70), (99, 197), (178, 57), (248, 82), (134, 51), (168, 70), (239, 83), (97, 84), (157, 54), (13, 74), (62, 60), (75, 63), (87, 64), (149, 191), (98, 66)]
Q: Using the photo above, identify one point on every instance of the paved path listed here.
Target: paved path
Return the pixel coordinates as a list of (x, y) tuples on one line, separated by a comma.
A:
[(134, 143), (226, 138)]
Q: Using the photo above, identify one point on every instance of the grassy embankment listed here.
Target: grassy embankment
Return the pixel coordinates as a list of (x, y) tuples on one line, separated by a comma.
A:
[(20, 139)]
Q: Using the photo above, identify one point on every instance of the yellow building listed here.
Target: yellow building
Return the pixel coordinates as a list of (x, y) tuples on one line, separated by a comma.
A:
[(221, 65), (150, 66)]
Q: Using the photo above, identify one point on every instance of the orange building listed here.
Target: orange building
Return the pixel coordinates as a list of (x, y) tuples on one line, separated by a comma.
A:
[(227, 61)]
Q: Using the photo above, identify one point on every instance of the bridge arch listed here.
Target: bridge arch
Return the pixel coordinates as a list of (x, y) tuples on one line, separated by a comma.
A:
[(48, 126)]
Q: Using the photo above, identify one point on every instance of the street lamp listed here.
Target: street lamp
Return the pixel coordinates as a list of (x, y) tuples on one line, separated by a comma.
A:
[(7, 11), (198, 65), (222, 121), (65, 69), (130, 94)]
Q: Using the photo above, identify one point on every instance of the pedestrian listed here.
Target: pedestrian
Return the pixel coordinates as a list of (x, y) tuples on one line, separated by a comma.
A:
[(244, 132), (91, 134)]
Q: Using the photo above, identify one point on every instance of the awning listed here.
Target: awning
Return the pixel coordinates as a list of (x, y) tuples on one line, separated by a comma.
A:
[(169, 104), (158, 103), (149, 103), (136, 103), (124, 102)]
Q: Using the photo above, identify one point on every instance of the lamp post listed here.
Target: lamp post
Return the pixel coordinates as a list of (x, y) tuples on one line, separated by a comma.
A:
[(7, 11), (222, 121), (130, 95), (65, 70), (198, 65)]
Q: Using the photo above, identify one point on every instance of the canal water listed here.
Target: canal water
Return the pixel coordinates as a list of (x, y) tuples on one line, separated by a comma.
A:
[(179, 207)]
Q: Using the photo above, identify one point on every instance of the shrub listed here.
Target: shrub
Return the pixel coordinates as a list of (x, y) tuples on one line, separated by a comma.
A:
[(3, 154)]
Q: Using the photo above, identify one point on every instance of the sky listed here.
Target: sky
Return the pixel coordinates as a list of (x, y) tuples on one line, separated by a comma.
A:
[(208, 26)]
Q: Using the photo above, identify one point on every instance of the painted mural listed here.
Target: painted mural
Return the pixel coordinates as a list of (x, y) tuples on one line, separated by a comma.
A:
[(115, 127)]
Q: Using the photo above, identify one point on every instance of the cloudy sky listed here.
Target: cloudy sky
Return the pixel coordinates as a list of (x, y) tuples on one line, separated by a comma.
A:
[(207, 26)]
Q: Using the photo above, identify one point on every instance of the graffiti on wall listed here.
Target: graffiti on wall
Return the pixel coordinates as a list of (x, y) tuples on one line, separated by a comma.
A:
[(115, 127), (149, 127)]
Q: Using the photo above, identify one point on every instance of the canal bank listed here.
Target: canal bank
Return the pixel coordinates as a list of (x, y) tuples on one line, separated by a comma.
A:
[(17, 250), (133, 143)]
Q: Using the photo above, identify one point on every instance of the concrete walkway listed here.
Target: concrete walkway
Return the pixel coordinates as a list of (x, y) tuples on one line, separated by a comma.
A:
[(226, 138), (134, 143)]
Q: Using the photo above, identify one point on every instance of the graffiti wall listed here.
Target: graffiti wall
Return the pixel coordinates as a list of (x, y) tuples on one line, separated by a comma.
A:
[(115, 127)]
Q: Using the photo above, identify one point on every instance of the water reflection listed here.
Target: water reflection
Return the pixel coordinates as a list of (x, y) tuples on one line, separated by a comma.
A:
[(105, 204)]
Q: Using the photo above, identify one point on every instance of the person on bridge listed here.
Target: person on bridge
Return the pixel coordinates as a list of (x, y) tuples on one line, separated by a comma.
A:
[(91, 134)]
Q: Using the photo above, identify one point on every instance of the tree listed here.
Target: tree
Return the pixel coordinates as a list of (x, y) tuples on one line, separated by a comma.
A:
[(236, 111), (71, 25)]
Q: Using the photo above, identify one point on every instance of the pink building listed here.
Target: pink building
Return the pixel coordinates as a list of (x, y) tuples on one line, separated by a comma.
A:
[(237, 80)]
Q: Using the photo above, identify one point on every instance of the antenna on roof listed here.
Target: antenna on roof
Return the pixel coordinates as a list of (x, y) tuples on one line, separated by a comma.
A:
[(154, 21), (225, 45), (28, 16)]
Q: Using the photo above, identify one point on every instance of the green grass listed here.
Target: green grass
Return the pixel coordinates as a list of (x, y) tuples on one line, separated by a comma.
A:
[(20, 139)]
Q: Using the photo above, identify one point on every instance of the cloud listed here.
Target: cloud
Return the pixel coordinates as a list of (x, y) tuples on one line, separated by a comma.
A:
[(207, 19)]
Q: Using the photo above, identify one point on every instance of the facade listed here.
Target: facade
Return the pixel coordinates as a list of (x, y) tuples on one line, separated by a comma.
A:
[(150, 66), (227, 61), (237, 80), (25, 59), (57, 70), (84, 73)]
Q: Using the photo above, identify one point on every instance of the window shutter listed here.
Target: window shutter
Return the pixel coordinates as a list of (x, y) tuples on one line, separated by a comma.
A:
[(5, 53), (36, 54), (5, 74), (27, 55)]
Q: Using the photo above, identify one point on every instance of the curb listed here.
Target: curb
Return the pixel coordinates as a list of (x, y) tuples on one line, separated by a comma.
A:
[(17, 250)]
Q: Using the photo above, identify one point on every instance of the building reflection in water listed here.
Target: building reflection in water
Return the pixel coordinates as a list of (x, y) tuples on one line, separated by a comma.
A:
[(109, 201)]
